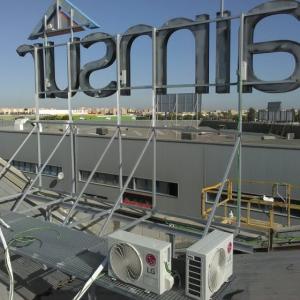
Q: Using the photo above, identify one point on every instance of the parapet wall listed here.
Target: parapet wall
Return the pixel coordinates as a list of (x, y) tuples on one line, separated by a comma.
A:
[(266, 128)]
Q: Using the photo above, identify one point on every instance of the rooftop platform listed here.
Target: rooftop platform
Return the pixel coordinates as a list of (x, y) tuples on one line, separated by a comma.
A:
[(273, 275)]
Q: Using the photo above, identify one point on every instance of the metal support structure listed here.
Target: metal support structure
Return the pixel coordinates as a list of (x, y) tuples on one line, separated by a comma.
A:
[(91, 280), (154, 188), (119, 114), (90, 177), (40, 172), (176, 115), (72, 137), (225, 177), (17, 151), (172, 240), (165, 228), (37, 112), (110, 211), (240, 125), (8, 262), (117, 203), (152, 139), (89, 219), (199, 108), (154, 108), (212, 20), (10, 197), (136, 222), (72, 144), (120, 158), (57, 15), (222, 8), (45, 205), (13, 197), (176, 86), (72, 24)]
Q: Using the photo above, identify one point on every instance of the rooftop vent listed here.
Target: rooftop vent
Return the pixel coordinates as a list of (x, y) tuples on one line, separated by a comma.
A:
[(268, 137), (290, 136), (101, 131), (188, 136)]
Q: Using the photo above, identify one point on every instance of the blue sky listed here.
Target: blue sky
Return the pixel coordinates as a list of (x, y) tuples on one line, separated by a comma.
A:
[(115, 16)]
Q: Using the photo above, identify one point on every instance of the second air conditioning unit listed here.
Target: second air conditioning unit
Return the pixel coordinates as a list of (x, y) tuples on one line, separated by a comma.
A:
[(141, 261), (209, 264)]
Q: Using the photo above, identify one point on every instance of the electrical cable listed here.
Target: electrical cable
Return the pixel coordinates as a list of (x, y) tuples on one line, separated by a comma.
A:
[(167, 268), (21, 240)]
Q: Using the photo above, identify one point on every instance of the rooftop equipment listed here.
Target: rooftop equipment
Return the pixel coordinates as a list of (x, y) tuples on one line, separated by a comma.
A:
[(290, 136), (20, 124), (209, 265), (188, 136), (141, 261), (101, 131), (268, 137)]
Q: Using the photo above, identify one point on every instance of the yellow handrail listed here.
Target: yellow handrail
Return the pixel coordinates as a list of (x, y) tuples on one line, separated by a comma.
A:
[(247, 203), (205, 211)]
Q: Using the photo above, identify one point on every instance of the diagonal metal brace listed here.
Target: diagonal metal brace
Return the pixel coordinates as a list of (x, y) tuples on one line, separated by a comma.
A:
[(117, 203), (19, 202), (17, 151), (90, 177), (225, 177)]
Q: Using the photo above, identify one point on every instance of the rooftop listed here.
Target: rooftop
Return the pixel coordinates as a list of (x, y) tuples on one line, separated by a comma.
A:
[(167, 131)]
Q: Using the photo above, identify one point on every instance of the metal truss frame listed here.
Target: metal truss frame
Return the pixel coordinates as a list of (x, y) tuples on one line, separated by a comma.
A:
[(110, 212), (236, 152)]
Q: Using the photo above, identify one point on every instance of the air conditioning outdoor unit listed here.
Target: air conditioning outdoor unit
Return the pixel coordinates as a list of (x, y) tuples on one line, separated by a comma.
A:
[(209, 264), (141, 261)]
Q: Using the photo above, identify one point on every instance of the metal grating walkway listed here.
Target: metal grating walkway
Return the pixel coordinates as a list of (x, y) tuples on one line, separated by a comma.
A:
[(136, 293), (73, 252)]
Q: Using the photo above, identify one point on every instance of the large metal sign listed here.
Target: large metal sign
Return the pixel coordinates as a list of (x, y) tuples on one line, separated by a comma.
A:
[(80, 75)]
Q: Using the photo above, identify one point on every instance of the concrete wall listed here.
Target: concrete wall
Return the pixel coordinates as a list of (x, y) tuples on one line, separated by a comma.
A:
[(192, 165)]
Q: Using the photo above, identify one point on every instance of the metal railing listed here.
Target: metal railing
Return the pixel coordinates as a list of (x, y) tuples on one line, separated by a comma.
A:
[(215, 188), (270, 207)]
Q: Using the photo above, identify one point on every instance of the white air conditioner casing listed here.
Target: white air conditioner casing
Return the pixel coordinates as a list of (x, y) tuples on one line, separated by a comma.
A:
[(141, 261), (209, 264)]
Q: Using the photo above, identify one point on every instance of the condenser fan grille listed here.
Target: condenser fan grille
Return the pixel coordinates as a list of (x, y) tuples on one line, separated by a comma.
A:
[(216, 270), (125, 262)]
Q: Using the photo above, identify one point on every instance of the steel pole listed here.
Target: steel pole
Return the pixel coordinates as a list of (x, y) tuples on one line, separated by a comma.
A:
[(119, 115), (240, 127), (72, 145), (222, 7), (8, 264), (176, 115), (154, 118), (37, 106), (225, 177), (57, 15), (91, 280)]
